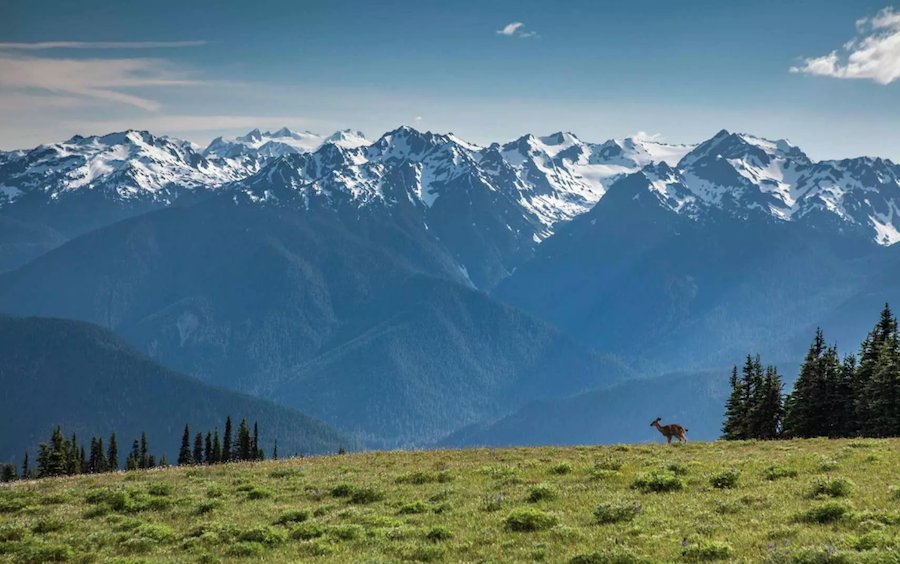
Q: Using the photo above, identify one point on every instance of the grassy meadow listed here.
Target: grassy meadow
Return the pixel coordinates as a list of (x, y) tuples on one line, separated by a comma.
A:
[(782, 501)]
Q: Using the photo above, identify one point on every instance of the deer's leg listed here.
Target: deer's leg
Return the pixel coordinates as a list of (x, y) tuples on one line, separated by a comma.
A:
[(669, 439)]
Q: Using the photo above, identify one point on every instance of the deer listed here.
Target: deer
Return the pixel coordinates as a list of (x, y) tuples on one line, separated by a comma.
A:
[(671, 430)]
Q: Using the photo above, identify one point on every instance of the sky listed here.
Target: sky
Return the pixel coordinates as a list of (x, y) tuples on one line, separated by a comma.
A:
[(824, 74)]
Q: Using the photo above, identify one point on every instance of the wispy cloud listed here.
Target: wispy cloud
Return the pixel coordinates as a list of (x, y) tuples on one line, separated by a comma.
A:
[(98, 79), (515, 29), (159, 123), (873, 55), (99, 45), (644, 136)]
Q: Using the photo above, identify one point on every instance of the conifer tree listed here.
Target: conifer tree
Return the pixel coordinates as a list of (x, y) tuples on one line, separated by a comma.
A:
[(804, 409), (163, 462), (207, 450), (198, 449), (113, 456), (242, 442), (217, 448), (877, 354), (184, 454), (151, 461), (144, 461), (130, 463), (74, 462), (770, 409), (57, 461), (136, 452), (9, 473), (257, 452), (94, 460), (83, 461), (226, 441), (735, 426), (102, 461), (43, 460), (275, 451), (25, 469)]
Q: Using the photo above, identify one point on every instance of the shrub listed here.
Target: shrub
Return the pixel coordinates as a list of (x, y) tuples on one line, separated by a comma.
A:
[(437, 534), (725, 479), (209, 506), (677, 468), (263, 534), (837, 487), (346, 532), (617, 557), (658, 482), (773, 473), (416, 478), (613, 464), (156, 531), (48, 525), (10, 533), (894, 493), (308, 530), (257, 492), (293, 516), (561, 469), (541, 492), (160, 489), (621, 448), (827, 513), (606, 513), (827, 465), (424, 553), (413, 508), (530, 519), (285, 472), (343, 490), (246, 549), (706, 550), (362, 496)]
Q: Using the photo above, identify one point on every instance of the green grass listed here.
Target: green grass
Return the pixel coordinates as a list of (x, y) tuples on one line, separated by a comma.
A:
[(779, 502)]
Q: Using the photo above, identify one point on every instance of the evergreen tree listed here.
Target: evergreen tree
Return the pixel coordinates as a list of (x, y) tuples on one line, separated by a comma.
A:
[(275, 451), (257, 452), (151, 461), (184, 454), (25, 469), (198, 449), (74, 462), (83, 461), (9, 473), (144, 460), (94, 460), (770, 409), (208, 450), (243, 443), (102, 461), (163, 463), (878, 354), (57, 460), (805, 414), (217, 448), (113, 455), (130, 463), (136, 452), (43, 460), (226, 441), (735, 426)]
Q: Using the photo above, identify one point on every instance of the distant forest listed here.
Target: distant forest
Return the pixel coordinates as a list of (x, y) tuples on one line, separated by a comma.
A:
[(854, 396)]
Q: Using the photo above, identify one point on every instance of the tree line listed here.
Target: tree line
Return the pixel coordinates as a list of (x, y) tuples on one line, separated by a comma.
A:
[(854, 396), (63, 456)]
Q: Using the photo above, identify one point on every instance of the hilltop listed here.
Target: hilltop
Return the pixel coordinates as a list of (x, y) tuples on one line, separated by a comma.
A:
[(779, 501)]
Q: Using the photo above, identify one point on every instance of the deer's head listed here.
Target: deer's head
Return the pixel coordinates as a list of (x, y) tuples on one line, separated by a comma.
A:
[(656, 422)]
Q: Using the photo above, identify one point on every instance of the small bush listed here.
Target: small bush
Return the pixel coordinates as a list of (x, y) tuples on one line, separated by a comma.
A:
[(541, 492), (725, 479), (160, 489), (707, 550), (416, 478), (308, 530), (437, 534), (362, 496), (621, 448), (10, 533), (773, 473), (284, 472), (658, 482), (617, 557), (156, 531), (209, 506), (263, 534), (343, 490), (836, 487), (561, 469), (48, 525), (827, 513), (414, 508), (530, 519), (293, 516), (259, 493), (894, 493), (677, 468), (424, 553), (828, 465), (606, 513), (246, 549), (346, 532)]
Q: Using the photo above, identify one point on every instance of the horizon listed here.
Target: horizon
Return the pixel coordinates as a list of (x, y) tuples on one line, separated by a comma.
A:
[(485, 73)]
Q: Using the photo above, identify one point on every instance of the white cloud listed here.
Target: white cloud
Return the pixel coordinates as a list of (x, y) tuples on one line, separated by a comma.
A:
[(96, 79), (510, 29), (100, 45), (168, 124), (644, 136), (515, 29), (875, 55), (418, 119)]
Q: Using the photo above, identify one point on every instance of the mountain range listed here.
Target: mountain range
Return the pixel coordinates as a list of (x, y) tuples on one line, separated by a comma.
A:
[(414, 288)]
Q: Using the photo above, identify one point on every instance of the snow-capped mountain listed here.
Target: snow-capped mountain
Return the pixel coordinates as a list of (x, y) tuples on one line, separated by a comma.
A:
[(742, 176)]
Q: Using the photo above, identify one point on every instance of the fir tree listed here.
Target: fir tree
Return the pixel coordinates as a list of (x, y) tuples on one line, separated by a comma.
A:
[(257, 452), (804, 408), (136, 452), (207, 451), (113, 456), (25, 469), (184, 454), (198, 449), (243, 443), (735, 426), (83, 461), (770, 409), (43, 460), (57, 460), (151, 461), (9, 473), (275, 451), (94, 460), (226, 441), (102, 461), (74, 462), (144, 460), (163, 463), (130, 463), (217, 448)]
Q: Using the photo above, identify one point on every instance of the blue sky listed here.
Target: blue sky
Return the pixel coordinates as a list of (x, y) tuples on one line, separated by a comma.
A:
[(599, 68)]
